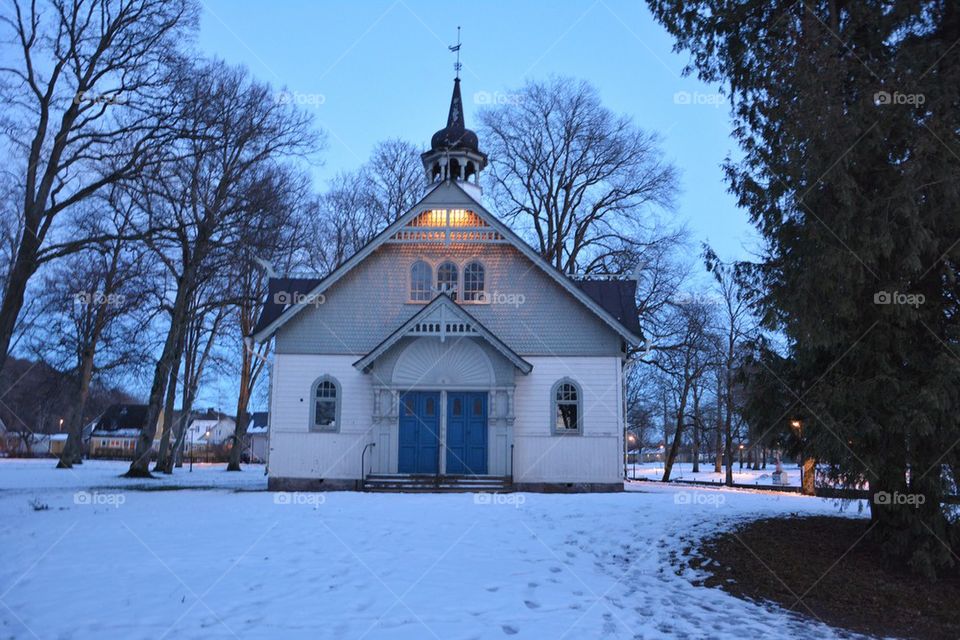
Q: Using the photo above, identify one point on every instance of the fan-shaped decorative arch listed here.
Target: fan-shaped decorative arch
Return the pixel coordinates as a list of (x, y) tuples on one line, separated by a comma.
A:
[(455, 363)]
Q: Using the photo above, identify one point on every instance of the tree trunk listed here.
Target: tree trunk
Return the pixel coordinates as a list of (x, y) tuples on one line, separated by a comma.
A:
[(718, 460), (23, 268), (728, 427), (73, 448), (696, 430), (675, 447), (243, 400), (165, 455), (809, 485), (140, 467)]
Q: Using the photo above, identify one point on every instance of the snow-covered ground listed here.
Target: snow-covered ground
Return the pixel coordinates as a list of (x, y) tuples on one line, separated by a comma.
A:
[(22, 474), (191, 563), (684, 471)]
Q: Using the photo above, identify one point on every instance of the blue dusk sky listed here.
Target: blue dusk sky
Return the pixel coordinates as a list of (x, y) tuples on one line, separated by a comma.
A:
[(373, 70)]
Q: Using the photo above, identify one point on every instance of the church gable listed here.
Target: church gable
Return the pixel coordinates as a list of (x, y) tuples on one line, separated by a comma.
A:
[(447, 242), (527, 310)]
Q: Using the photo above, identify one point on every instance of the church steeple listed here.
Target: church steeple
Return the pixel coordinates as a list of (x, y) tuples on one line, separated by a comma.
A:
[(455, 117), (455, 150)]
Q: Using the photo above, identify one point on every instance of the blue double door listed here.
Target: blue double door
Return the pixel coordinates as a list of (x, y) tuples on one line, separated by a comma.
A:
[(419, 439)]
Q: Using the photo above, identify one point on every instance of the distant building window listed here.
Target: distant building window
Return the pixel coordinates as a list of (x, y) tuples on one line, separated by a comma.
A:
[(447, 278), (473, 282), (421, 281), (567, 407), (325, 408)]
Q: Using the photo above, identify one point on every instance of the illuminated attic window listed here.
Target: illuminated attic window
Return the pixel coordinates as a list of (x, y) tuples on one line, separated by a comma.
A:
[(447, 225)]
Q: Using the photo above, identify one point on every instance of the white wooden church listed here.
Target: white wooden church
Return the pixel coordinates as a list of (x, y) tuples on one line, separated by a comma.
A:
[(446, 354)]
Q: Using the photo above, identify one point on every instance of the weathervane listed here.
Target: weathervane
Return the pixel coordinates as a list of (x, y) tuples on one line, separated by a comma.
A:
[(457, 66)]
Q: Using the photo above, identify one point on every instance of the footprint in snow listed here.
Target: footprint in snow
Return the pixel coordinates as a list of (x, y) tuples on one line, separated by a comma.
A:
[(510, 631), (555, 569), (531, 605), (493, 589)]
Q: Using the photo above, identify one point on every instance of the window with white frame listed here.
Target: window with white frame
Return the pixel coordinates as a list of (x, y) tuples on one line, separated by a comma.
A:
[(421, 281), (473, 282), (447, 279), (567, 412), (325, 405)]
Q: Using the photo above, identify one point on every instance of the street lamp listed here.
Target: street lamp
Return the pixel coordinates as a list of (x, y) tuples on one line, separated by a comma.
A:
[(808, 466)]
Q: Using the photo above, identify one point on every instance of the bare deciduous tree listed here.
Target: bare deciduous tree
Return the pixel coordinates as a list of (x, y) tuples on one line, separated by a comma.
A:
[(84, 91), (574, 176), (236, 133)]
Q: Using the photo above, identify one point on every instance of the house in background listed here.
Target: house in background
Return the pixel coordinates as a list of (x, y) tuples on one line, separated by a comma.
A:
[(115, 432), (57, 442), (258, 437), (447, 348), (210, 429)]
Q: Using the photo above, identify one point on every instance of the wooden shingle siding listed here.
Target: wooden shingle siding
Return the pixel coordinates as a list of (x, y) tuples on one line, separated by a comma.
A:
[(531, 313)]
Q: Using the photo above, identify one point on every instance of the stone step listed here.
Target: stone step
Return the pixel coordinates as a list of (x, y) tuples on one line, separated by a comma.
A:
[(410, 483)]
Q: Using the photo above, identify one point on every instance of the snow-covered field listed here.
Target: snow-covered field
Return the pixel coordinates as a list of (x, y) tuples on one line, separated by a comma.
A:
[(684, 471), (116, 562)]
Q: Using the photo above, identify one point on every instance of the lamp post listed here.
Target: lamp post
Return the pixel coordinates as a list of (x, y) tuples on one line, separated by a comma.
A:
[(808, 466)]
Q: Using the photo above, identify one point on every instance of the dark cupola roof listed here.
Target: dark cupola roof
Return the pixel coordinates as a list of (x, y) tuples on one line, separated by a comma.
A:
[(455, 136)]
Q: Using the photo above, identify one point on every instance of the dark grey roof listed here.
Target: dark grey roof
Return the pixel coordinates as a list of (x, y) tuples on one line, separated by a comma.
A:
[(280, 292), (122, 416), (258, 419), (617, 297)]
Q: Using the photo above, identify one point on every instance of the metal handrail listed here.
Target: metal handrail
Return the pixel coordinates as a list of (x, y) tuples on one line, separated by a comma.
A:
[(363, 464)]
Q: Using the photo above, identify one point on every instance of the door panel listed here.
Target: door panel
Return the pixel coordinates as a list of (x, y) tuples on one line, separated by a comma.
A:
[(467, 433), (419, 441)]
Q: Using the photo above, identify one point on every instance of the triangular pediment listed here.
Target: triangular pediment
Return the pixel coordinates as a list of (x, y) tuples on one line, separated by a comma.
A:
[(444, 319)]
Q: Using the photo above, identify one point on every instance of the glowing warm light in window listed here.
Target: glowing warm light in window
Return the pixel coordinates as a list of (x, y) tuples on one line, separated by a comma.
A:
[(438, 218)]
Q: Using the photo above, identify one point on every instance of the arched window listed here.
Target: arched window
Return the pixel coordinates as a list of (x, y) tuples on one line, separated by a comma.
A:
[(473, 281), (567, 412), (447, 279), (325, 404), (421, 281)]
